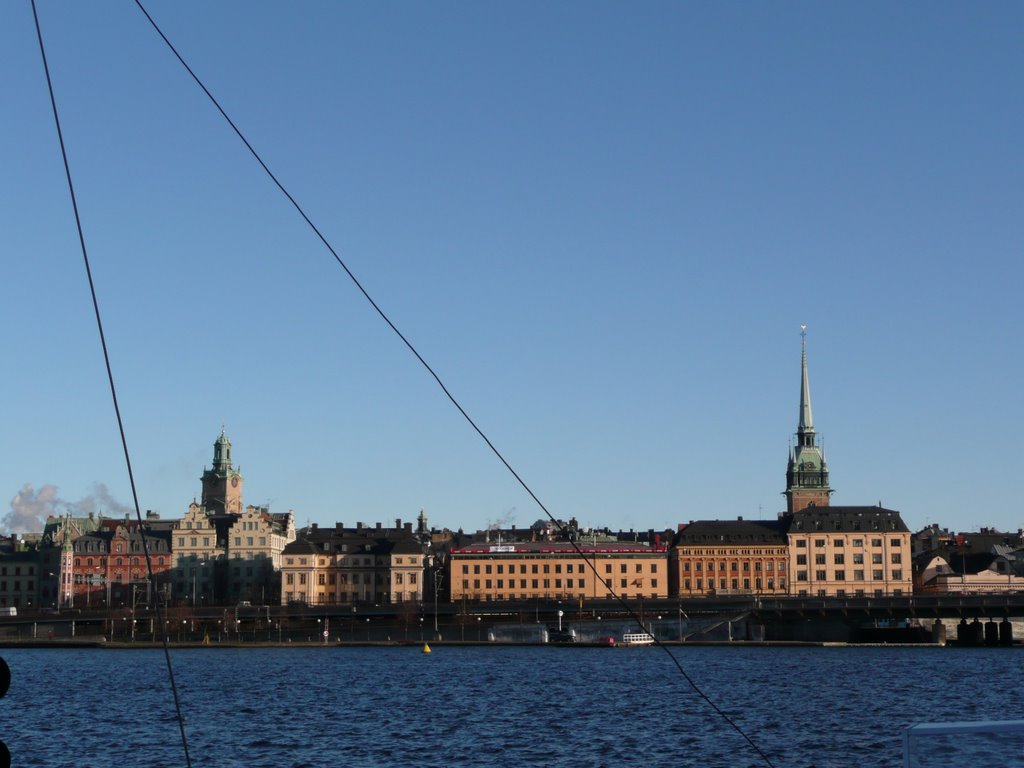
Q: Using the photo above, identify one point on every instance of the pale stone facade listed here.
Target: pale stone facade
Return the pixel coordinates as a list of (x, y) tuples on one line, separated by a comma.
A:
[(224, 553), (228, 558), (939, 577), (849, 552)]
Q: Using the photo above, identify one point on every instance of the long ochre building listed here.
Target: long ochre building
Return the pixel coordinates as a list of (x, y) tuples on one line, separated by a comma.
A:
[(558, 570)]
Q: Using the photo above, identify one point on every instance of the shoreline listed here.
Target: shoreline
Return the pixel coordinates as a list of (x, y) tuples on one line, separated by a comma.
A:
[(102, 643)]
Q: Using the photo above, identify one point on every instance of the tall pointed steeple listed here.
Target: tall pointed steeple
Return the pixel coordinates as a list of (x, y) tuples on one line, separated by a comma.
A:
[(806, 423), (807, 472)]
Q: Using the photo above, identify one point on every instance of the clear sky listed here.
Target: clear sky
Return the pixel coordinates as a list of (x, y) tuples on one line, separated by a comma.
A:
[(602, 224)]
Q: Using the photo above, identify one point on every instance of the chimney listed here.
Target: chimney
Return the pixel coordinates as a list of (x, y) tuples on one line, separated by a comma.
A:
[(398, 522), (408, 527), (359, 526), (739, 517), (378, 526), (339, 526), (314, 526)]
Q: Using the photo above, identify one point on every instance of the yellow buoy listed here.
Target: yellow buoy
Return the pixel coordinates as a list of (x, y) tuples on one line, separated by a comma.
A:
[(426, 648)]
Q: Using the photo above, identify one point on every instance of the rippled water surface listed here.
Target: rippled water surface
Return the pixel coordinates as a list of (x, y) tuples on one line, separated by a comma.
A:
[(509, 706)]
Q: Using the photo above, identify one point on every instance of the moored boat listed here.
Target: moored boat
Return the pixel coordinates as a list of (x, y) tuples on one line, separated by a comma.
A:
[(637, 638)]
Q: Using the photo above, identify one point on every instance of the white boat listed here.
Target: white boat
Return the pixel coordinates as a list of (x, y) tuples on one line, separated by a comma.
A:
[(637, 638)]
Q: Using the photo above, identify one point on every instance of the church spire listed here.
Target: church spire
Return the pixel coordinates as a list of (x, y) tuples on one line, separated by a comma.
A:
[(807, 473), (806, 423)]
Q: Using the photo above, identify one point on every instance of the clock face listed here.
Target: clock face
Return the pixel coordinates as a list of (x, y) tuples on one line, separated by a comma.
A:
[(234, 482)]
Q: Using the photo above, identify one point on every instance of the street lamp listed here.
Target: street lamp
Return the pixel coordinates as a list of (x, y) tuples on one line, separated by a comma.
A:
[(478, 629)]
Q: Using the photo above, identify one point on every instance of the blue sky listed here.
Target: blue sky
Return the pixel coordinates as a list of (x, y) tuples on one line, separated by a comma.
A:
[(602, 224)]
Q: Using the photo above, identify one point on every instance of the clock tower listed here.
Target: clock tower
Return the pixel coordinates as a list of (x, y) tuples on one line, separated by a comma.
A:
[(222, 485), (807, 472)]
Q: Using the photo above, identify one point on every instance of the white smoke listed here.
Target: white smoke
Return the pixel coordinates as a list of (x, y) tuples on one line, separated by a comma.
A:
[(505, 521), (30, 508)]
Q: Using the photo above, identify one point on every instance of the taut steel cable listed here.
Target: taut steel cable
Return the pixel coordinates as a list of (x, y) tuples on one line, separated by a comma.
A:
[(113, 391)]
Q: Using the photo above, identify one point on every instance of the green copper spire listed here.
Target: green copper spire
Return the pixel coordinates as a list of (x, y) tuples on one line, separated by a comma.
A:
[(222, 452), (68, 544), (807, 471)]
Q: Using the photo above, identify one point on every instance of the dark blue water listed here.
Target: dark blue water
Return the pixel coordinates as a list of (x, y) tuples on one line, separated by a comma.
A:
[(483, 706)]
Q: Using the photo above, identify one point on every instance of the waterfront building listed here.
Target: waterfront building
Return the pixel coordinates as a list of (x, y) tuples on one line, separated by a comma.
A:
[(961, 574), (981, 561), (556, 570), (109, 567), (224, 553), (19, 578), (339, 565), (848, 552), (730, 557), (53, 565)]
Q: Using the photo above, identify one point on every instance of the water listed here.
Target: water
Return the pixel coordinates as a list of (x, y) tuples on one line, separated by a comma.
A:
[(483, 706)]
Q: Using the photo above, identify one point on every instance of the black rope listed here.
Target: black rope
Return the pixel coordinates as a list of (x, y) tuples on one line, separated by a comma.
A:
[(113, 391), (440, 383)]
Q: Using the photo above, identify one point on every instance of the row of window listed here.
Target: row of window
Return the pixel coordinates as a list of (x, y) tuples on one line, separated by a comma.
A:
[(547, 568), (732, 552), (351, 597), (29, 586), (802, 543), (352, 562), (100, 562), (858, 575), (343, 578), (839, 558), (89, 545), (735, 584), (29, 570), (734, 566), (250, 541), (856, 593), (535, 583)]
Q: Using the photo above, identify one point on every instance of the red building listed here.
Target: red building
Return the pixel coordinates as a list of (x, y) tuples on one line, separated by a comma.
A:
[(110, 566)]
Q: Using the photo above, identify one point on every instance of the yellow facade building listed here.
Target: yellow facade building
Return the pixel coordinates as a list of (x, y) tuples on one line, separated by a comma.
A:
[(329, 566), (849, 552), (556, 570)]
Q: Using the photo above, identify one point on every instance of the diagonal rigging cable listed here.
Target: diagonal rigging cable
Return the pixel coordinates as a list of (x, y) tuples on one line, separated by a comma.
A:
[(113, 391), (437, 378)]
